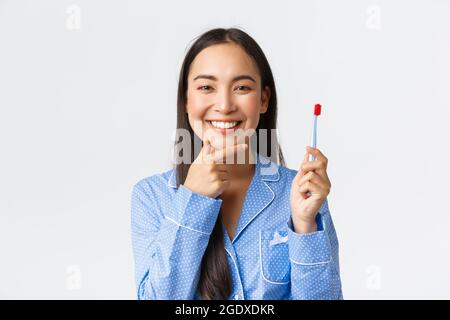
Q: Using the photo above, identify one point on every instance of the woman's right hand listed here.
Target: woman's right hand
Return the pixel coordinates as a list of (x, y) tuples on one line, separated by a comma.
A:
[(208, 174)]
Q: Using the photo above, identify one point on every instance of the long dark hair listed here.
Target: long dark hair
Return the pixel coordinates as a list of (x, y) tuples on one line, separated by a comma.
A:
[(215, 279)]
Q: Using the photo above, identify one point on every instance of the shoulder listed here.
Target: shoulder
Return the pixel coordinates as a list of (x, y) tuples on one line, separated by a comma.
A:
[(150, 197), (288, 173), (154, 184)]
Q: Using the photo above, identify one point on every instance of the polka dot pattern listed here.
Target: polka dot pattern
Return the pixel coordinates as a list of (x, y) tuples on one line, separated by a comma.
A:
[(267, 260)]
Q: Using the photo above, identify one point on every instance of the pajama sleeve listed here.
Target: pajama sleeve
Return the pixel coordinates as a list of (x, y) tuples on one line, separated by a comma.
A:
[(314, 259), (169, 239)]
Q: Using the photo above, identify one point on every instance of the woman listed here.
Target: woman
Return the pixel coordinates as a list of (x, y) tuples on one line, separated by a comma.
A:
[(215, 229)]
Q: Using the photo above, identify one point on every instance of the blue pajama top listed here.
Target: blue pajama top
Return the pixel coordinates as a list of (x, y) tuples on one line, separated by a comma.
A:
[(171, 228)]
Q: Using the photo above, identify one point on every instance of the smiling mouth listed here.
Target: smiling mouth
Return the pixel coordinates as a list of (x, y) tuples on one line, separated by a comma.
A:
[(224, 125)]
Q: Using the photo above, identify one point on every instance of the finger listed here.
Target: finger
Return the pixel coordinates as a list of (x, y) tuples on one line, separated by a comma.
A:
[(207, 152), (309, 187), (322, 173), (310, 176), (207, 148), (320, 177), (305, 160), (316, 153), (226, 154), (314, 165), (234, 138), (322, 185)]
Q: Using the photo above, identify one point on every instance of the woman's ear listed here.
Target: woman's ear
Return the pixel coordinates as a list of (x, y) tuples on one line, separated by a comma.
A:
[(265, 97)]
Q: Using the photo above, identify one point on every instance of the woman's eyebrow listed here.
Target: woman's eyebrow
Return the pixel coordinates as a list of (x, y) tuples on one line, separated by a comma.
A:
[(205, 76), (243, 77), (213, 78)]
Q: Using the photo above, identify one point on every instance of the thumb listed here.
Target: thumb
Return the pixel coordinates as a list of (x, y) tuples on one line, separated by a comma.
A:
[(207, 150), (300, 172), (305, 158)]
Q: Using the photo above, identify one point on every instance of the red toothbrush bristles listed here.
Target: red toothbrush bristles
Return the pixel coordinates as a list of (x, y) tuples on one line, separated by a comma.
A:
[(317, 109)]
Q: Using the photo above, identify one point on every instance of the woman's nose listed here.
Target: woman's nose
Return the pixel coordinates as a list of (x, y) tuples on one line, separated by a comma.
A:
[(225, 103)]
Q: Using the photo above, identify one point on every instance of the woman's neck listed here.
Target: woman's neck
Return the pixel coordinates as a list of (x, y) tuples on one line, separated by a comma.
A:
[(243, 171)]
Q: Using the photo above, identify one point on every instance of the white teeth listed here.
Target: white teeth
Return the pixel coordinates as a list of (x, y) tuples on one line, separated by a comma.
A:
[(224, 125)]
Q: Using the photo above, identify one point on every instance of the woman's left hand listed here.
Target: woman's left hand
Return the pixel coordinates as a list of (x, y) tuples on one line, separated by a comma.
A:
[(312, 177)]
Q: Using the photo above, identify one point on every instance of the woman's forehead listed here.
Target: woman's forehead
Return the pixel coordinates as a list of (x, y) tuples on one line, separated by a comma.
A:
[(224, 61)]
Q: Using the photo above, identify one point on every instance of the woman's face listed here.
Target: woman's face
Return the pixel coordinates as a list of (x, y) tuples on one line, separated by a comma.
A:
[(224, 90)]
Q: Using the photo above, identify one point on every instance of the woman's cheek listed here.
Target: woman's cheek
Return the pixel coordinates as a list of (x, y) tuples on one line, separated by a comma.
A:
[(197, 103), (250, 105)]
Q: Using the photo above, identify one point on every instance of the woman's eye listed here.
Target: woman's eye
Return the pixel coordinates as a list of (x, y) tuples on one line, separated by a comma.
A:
[(242, 88), (204, 88)]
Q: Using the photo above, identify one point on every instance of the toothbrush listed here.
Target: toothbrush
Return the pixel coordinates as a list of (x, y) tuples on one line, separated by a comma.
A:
[(317, 110)]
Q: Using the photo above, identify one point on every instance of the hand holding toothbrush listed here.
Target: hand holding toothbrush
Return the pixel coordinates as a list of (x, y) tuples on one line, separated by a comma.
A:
[(310, 186)]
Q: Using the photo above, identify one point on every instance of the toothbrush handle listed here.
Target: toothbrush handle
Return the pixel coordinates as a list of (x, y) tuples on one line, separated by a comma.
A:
[(313, 137)]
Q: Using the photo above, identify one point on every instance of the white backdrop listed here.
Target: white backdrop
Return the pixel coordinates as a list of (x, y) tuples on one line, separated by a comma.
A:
[(87, 108)]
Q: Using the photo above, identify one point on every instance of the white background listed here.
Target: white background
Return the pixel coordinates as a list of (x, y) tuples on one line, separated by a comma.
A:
[(88, 106)]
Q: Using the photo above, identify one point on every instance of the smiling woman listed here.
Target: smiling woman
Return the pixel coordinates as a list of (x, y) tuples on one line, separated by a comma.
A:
[(200, 229)]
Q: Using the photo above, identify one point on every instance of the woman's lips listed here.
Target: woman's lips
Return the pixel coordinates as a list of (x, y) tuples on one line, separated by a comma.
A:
[(224, 130)]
